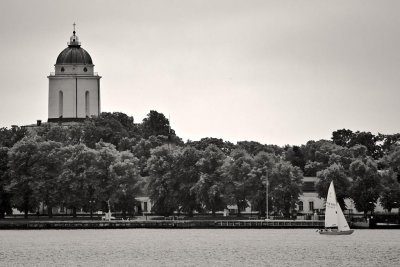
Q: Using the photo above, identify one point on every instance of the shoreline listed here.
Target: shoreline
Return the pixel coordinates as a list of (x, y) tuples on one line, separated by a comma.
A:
[(174, 224), (166, 224)]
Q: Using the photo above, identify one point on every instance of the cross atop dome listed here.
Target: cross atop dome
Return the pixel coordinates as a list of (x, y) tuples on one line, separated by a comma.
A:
[(74, 40)]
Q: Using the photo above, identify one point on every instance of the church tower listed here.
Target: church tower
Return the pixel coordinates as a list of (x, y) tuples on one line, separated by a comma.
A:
[(74, 89)]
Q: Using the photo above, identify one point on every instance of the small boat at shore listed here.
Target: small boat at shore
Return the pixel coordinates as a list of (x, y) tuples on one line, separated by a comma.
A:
[(335, 222)]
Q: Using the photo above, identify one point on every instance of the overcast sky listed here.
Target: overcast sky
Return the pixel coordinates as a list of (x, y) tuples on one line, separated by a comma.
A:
[(276, 72)]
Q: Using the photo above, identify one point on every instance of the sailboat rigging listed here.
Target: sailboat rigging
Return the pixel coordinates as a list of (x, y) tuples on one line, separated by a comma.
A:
[(335, 222)]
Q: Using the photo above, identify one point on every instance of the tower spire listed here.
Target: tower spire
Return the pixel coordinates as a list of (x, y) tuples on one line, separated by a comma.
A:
[(74, 40)]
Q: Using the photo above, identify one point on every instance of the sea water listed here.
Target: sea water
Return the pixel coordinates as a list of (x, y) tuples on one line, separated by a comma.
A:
[(198, 247)]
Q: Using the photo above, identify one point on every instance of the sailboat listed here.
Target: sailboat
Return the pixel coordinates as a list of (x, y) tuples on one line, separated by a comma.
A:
[(335, 222)]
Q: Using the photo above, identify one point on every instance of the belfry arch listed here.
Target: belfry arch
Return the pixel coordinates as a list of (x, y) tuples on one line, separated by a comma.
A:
[(60, 104)]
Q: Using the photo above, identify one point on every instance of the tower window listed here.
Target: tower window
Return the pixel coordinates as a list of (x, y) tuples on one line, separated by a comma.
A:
[(62, 69), (60, 104), (85, 69), (87, 108)]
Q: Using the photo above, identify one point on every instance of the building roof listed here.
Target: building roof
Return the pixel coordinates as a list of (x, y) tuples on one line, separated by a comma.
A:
[(74, 53)]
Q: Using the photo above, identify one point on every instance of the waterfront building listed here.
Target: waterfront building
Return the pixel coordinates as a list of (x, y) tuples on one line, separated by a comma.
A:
[(74, 87)]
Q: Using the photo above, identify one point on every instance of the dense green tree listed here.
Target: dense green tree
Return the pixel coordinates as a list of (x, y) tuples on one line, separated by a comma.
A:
[(143, 147), (390, 194), (156, 124), (296, 156), (337, 174), (162, 185), (45, 170), (312, 167), (22, 158), (358, 151), (67, 135), (102, 175), (107, 156), (126, 143), (342, 137), (388, 141), (347, 138), (104, 128), (322, 154), (80, 177), (236, 171), (187, 174), (201, 145), (392, 161), (125, 120), (209, 188), (5, 197), (125, 174), (263, 165), (285, 187), (8, 137), (365, 189), (368, 140)]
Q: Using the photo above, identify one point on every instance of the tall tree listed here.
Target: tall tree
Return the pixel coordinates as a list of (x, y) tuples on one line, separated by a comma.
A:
[(156, 124), (285, 187), (263, 165), (210, 186), (5, 197), (337, 174), (22, 158), (366, 185), (342, 137), (46, 170), (125, 172), (392, 161), (236, 171), (79, 179), (187, 174), (390, 194), (162, 185), (368, 140)]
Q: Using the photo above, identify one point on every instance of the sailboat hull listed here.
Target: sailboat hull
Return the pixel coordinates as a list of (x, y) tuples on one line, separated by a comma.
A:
[(335, 232)]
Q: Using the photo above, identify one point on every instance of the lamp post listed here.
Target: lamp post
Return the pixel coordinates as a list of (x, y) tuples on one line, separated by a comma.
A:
[(91, 202), (266, 196)]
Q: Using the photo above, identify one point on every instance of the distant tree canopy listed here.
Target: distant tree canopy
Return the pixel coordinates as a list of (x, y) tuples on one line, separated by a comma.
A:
[(110, 158)]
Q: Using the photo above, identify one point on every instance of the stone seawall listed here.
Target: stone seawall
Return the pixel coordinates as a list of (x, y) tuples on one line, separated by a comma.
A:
[(119, 224)]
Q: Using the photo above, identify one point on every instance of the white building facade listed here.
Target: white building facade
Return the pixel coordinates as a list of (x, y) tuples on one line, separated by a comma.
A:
[(74, 87)]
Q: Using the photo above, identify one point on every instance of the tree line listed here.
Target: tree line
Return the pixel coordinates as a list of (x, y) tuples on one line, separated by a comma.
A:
[(112, 159)]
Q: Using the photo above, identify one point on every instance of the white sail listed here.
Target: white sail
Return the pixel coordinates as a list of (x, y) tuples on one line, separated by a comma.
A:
[(334, 216), (342, 223), (331, 219)]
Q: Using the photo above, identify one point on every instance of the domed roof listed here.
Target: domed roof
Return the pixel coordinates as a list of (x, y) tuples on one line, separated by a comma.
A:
[(74, 54)]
